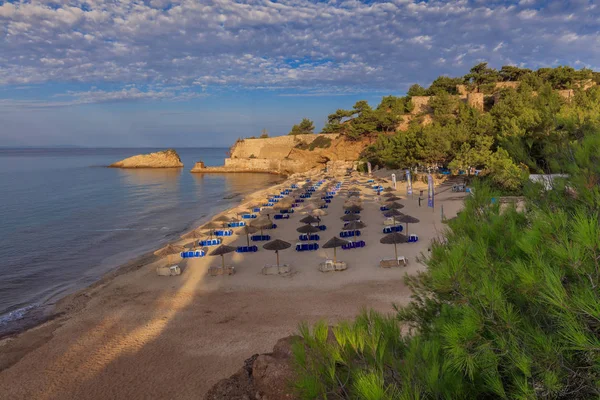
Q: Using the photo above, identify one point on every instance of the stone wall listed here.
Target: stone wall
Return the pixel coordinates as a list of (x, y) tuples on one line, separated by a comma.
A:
[(271, 166), (567, 94), (475, 100), (421, 104), (273, 148)]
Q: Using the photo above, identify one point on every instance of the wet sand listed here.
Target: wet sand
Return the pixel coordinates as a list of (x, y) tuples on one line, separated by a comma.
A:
[(136, 335)]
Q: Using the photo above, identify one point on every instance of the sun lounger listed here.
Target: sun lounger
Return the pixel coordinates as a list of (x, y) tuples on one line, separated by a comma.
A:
[(224, 232), (269, 204), (412, 238), (324, 205), (281, 216), (306, 237), (249, 216), (307, 246), (391, 229), (209, 242), (328, 201), (390, 262), (383, 208), (287, 211), (247, 249), (294, 186), (260, 238), (274, 226), (236, 224), (192, 254), (215, 271), (279, 196), (300, 200), (345, 234), (329, 266), (351, 212), (354, 245), (370, 181), (322, 227)]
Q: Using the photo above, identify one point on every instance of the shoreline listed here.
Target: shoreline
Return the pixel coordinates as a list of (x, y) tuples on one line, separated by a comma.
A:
[(199, 326), (39, 314)]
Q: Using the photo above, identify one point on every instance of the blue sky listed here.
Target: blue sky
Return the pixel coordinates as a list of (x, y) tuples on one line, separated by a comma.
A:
[(203, 73)]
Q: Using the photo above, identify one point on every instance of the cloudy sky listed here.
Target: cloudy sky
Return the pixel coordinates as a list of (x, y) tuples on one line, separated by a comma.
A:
[(204, 72)]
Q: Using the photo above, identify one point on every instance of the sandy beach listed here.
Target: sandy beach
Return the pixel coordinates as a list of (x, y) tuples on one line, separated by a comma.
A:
[(136, 335)]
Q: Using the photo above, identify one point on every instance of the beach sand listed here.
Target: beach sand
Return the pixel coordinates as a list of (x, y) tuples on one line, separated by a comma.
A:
[(136, 335)]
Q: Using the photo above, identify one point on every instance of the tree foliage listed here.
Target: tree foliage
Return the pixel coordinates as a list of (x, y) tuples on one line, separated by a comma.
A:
[(305, 127), (509, 307)]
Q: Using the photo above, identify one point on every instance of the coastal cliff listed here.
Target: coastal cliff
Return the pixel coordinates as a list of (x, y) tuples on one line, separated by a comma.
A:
[(288, 154), (161, 159)]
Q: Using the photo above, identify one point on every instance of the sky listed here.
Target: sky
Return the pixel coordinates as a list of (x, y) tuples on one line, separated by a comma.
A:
[(160, 73)]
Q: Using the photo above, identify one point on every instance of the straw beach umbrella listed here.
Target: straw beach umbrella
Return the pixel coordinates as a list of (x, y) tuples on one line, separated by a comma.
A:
[(350, 217), (168, 251), (247, 230), (354, 226), (261, 223), (388, 190), (195, 234), (388, 194), (223, 218), (308, 229), (334, 243), (319, 212), (408, 220), (394, 205), (211, 226), (393, 213), (394, 238), (221, 251), (309, 219), (276, 245), (392, 198), (353, 208)]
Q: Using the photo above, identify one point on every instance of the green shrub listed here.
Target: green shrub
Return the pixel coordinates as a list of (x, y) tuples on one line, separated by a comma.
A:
[(509, 307)]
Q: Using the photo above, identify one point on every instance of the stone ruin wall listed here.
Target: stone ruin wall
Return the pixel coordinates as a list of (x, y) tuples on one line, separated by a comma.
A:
[(278, 147)]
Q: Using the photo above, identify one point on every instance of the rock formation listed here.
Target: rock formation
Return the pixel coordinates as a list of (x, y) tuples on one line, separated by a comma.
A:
[(264, 376), (161, 159)]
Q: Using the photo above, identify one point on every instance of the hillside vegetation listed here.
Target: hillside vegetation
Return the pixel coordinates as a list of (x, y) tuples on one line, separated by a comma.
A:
[(509, 307), (521, 130)]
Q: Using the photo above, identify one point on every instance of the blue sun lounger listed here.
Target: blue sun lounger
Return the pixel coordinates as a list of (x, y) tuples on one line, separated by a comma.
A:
[(236, 224), (281, 216), (351, 212), (294, 186), (249, 216), (210, 242), (224, 232), (383, 208), (324, 206), (322, 227), (391, 229), (307, 246), (274, 226), (287, 211), (247, 249), (260, 238), (354, 245), (345, 234), (412, 238), (306, 237), (193, 254)]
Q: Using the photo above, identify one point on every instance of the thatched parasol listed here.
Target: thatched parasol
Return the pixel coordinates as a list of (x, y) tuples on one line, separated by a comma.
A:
[(211, 226), (168, 251), (308, 229), (393, 213), (394, 238), (319, 212), (221, 251), (333, 243), (309, 219), (195, 235), (408, 220), (394, 205), (392, 198), (247, 230), (354, 226), (388, 190), (388, 194), (261, 223), (222, 218), (276, 245), (267, 211), (350, 217)]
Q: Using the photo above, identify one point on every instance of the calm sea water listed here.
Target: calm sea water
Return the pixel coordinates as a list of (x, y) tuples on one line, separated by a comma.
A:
[(65, 220)]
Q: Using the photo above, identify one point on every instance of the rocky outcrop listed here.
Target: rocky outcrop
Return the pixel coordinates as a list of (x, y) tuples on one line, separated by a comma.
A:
[(264, 377), (287, 154), (161, 159)]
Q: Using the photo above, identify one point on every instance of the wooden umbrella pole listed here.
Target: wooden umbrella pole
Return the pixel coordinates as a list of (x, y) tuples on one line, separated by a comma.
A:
[(223, 261), (334, 256), (248, 239), (396, 252), (277, 252)]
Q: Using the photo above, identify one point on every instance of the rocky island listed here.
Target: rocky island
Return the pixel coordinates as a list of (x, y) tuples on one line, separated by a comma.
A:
[(160, 159)]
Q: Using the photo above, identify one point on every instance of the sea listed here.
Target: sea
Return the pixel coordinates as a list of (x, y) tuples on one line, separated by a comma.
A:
[(66, 219)]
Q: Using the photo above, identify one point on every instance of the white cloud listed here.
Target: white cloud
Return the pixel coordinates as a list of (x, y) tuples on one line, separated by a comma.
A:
[(293, 44)]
